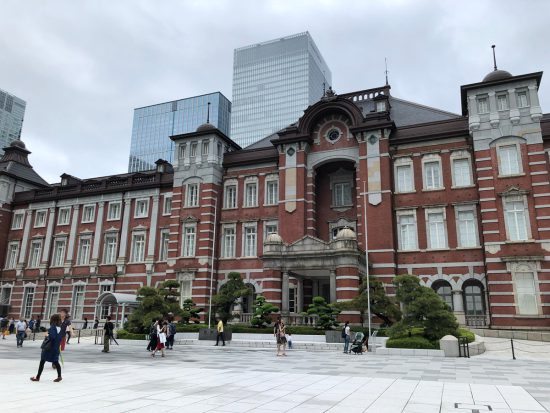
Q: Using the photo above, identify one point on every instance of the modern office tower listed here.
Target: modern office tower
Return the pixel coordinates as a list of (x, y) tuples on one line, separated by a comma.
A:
[(273, 83), (12, 111), (153, 126)]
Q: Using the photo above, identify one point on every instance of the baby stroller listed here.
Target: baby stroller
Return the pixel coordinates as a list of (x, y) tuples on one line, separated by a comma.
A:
[(358, 342)]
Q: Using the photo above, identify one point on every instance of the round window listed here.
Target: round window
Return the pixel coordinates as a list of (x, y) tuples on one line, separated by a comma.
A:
[(333, 134)]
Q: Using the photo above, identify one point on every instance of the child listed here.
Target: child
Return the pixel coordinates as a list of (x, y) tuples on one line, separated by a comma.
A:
[(289, 340)]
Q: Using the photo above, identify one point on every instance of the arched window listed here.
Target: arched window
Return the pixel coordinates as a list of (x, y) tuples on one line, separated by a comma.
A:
[(444, 290), (473, 298)]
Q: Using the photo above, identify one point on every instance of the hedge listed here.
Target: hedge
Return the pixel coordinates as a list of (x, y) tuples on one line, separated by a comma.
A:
[(125, 335), (462, 332), (245, 328), (416, 342)]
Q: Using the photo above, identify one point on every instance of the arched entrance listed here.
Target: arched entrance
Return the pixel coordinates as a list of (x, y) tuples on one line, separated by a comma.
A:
[(117, 304)]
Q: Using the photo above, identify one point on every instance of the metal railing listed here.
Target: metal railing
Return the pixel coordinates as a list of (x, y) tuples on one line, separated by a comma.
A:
[(291, 319), (476, 320), (463, 347)]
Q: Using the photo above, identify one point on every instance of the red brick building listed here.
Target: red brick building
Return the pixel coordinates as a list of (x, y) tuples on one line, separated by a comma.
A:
[(461, 201)]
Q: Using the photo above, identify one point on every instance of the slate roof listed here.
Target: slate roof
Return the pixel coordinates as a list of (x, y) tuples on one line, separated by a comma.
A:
[(22, 172)]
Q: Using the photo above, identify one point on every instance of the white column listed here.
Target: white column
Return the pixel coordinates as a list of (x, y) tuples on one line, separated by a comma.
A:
[(300, 295), (49, 232), (153, 228), (72, 234), (332, 286), (124, 232), (284, 293), (98, 230), (25, 241), (458, 306)]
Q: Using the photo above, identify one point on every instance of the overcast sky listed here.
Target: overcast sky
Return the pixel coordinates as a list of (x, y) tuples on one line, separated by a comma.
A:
[(83, 66)]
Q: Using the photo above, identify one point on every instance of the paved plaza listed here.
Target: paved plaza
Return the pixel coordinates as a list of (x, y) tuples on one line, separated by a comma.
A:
[(225, 379)]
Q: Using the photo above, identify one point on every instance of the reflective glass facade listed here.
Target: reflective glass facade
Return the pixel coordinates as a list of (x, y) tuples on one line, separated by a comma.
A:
[(273, 83), (12, 112), (153, 126)]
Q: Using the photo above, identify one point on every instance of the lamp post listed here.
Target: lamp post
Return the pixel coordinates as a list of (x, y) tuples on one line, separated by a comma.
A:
[(212, 262), (366, 250)]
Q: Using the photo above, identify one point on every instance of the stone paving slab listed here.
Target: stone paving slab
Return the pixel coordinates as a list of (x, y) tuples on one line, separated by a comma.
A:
[(225, 379)]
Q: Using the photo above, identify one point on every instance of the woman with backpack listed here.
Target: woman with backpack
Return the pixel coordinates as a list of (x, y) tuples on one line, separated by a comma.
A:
[(152, 335), (50, 348)]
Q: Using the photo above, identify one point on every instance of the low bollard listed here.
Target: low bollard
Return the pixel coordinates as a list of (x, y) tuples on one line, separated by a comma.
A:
[(78, 342), (513, 352)]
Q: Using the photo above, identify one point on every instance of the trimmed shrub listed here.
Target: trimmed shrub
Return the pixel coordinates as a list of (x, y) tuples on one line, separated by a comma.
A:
[(245, 328), (462, 332), (125, 335), (416, 342)]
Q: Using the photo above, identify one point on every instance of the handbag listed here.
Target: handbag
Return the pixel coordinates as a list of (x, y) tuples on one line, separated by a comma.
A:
[(46, 344), (162, 338)]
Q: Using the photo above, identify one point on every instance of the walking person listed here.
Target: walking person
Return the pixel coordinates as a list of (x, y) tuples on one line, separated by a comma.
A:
[(108, 328), (31, 324), (96, 324), (11, 328), (280, 335), (65, 325), (171, 335), (152, 336), (21, 328), (50, 348), (346, 334), (4, 327), (162, 328), (85, 325), (289, 340), (220, 334), (37, 324)]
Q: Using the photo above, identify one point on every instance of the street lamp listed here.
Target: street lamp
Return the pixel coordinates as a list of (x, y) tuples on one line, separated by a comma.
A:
[(366, 250), (212, 262)]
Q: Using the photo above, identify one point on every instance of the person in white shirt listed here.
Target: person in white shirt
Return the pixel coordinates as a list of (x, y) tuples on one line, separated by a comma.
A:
[(347, 332), (20, 329)]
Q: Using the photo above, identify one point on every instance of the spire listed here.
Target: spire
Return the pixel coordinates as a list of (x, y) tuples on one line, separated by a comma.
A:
[(386, 71), (494, 57), (208, 114)]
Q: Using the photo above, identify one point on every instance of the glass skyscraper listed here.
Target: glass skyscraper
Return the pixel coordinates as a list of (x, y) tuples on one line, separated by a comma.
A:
[(12, 112), (153, 125), (273, 83)]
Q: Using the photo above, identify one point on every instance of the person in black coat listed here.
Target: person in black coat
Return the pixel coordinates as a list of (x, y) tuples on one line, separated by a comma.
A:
[(50, 353)]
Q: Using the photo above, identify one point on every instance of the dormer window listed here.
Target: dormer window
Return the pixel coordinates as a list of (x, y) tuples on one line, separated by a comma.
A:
[(482, 105), (64, 182), (380, 106)]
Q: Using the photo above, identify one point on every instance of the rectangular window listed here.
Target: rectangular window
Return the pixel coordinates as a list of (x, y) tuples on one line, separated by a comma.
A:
[(220, 150), (466, 226), (138, 247), (141, 208), (407, 232), (193, 152), (182, 152), (189, 238), (272, 192), (292, 299), (17, 222), (432, 175), (36, 250), (40, 219), (380, 106), (64, 216), (53, 300), (526, 293), (251, 192), (509, 160), (83, 257), (461, 172), (249, 249), (404, 178), (231, 196), (270, 228), (522, 99), (167, 207), (13, 250), (164, 242), (192, 195), (228, 242), (109, 249), (482, 105), (341, 194), (5, 297), (205, 148), (28, 299), (516, 219), (105, 310), (185, 291), (78, 302), (502, 102), (436, 230), (58, 252), (113, 214), (88, 213)]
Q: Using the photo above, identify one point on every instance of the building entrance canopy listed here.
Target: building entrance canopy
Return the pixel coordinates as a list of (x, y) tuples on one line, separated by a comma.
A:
[(116, 301)]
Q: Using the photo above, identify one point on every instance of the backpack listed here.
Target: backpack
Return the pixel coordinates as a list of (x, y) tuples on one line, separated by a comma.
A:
[(344, 332), (153, 330), (172, 327)]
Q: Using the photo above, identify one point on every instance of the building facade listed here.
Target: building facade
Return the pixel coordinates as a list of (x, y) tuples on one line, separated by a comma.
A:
[(12, 112), (273, 83), (153, 125), (461, 201)]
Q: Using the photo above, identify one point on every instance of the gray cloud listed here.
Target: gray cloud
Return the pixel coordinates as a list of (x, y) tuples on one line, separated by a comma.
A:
[(83, 66)]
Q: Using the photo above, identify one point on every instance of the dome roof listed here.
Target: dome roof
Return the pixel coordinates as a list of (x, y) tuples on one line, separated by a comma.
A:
[(274, 238), (18, 144), (346, 233), (497, 75), (205, 127)]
